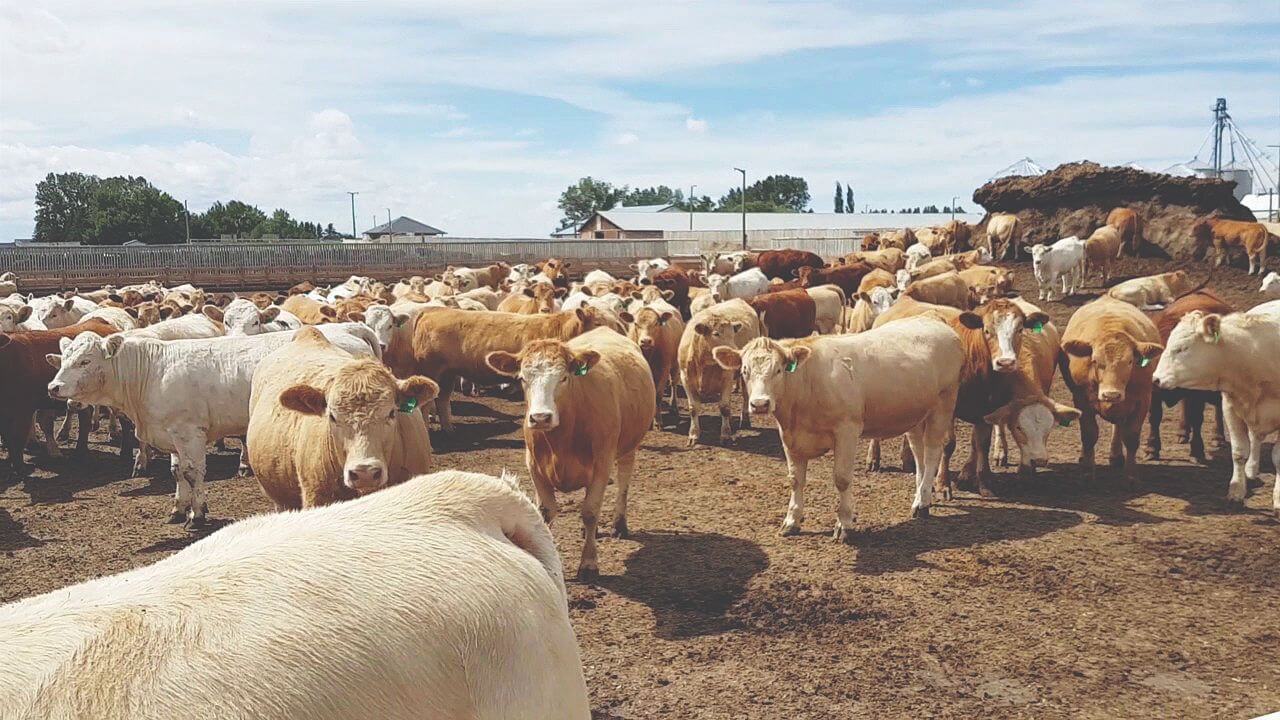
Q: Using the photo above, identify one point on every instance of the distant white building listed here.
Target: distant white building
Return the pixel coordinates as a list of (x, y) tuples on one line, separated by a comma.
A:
[(402, 229), (1026, 167)]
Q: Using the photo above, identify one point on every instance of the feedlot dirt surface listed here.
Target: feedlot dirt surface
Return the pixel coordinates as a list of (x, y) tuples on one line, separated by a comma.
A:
[(1060, 598)]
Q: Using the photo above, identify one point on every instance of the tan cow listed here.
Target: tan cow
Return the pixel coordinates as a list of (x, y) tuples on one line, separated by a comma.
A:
[(309, 310), (1111, 350), (902, 239), (1101, 250), (538, 297), (449, 344), (732, 323), (933, 239), (1129, 224), (1225, 235), (1004, 232), (590, 401), (656, 327), (946, 289), (875, 279), (932, 268), (889, 259), (829, 305), (326, 426), (1153, 291), (829, 392), (987, 281)]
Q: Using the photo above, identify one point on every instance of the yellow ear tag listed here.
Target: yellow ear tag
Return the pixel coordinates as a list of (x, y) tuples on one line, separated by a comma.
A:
[(408, 405), (791, 366), (581, 370)]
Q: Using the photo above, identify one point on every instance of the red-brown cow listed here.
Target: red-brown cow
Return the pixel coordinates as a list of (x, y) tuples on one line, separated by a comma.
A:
[(677, 282), (847, 277), (25, 375), (781, 264), (790, 314)]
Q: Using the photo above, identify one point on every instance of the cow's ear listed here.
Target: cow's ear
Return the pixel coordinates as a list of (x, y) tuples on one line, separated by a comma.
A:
[(971, 320), (213, 312), (583, 362), (133, 312), (111, 345), (304, 399), (1079, 348), (561, 292), (1148, 351), (115, 297), (414, 391), (24, 313), (503, 363), (165, 312), (1036, 320), (267, 315), (626, 317), (1211, 327), (668, 294), (664, 317), (799, 354), (54, 360), (1064, 414), (636, 295), (727, 357), (68, 303), (528, 291), (998, 416), (355, 317), (328, 311), (400, 319), (64, 344), (701, 328)]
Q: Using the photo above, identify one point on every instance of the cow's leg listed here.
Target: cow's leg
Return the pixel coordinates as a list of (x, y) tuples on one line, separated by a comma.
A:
[(980, 449), (1116, 454), (15, 432), (695, 423), (45, 418), (245, 470), (142, 459), (626, 468), (906, 459), (744, 413), (846, 454), (1193, 418), (182, 485), (1220, 424), (1275, 465), (1131, 436), (64, 430), (873, 454), (924, 481), (1088, 436), (1000, 445), (84, 423), (443, 410), (128, 437), (195, 468), (1253, 468), (943, 482), (1154, 416), (1239, 434), (589, 566), (726, 411), (547, 504), (797, 473)]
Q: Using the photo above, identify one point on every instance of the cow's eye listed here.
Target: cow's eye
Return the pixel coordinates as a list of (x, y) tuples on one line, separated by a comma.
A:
[(392, 414), (332, 419)]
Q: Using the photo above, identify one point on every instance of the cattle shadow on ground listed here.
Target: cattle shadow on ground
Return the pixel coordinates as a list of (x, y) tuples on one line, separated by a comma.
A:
[(690, 580), (897, 548), (465, 408), (756, 440), (13, 536), (174, 544), (470, 436)]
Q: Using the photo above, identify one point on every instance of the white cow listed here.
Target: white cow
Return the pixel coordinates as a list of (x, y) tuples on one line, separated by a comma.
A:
[(460, 613), (352, 287), (54, 311), (181, 394), (917, 255), (242, 317), (646, 269), (600, 276), (1271, 284), (1061, 262), (746, 284), (1235, 354)]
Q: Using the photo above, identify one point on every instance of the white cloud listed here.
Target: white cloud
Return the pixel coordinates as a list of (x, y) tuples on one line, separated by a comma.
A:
[(693, 124), (626, 138)]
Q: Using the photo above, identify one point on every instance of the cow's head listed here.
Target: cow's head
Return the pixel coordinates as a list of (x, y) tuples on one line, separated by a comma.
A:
[(646, 326), (546, 369), (383, 321), (544, 296), (1029, 421), (360, 408), (765, 365), (716, 285), (242, 317), (11, 316), (59, 313), (804, 274), (1003, 325), (1113, 360), (83, 366), (1196, 354)]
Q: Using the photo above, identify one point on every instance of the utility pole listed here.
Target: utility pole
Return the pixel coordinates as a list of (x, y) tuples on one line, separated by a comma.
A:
[(744, 207), (388, 219), (1276, 189), (353, 213), (953, 207), (691, 187), (188, 211)]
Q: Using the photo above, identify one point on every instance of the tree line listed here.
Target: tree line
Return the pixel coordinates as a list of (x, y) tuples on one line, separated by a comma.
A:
[(775, 193), (84, 208)]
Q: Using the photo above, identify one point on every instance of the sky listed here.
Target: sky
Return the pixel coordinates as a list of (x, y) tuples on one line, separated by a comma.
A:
[(474, 115)]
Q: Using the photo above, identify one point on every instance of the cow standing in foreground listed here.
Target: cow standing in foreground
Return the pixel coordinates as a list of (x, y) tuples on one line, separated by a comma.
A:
[(326, 426), (590, 401), (828, 392), (1237, 355), (438, 598), (1110, 353)]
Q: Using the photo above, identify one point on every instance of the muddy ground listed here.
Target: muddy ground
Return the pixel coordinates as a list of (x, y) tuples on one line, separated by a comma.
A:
[(1061, 598)]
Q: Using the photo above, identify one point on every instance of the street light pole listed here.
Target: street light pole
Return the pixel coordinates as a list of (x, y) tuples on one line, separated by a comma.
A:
[(691, 187), (353, 213), (744, 207), (1277, 185), (187, 210), (953, 207)]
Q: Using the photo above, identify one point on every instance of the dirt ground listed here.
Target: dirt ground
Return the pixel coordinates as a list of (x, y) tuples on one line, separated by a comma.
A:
[(1061, 598)]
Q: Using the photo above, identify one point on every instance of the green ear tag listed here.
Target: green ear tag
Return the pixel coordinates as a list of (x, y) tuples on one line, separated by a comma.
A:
[(408, 405), (791, 366), (1143, 362), (1064, 423), (1216, 338), (582, 370), (1038, 327)]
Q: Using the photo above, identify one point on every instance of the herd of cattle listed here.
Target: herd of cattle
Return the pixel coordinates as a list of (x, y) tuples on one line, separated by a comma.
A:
[(332, 391)]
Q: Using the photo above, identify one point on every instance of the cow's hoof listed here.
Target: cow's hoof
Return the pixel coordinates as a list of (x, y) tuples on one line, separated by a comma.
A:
[(620, 529), (789, 529), (1116, 462), (873, 467), (177, 516), (1184, 437), (920, 512), (196, 522), (843, 535), (1151, 454), (985, 490), (244, 471), (690, 443), (588, 574)]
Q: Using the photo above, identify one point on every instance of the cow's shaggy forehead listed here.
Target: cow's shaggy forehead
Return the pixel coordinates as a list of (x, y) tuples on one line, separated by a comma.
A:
[(362, 388), (1113, 349), (762, 353), (544, 355)]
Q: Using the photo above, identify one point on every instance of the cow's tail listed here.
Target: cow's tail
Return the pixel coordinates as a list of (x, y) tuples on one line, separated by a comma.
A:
[(522, 524)]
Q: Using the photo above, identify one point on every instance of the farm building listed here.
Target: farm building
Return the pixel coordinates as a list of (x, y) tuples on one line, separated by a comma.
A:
[(402, 229)]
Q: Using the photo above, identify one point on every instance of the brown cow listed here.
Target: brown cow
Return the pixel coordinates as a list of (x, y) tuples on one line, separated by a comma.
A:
[(25, 375), (946, 289), (1101, 250), (902, 239), (1251, 237), (846, 277), (308, 310), (675, 280), (889, 259), (871, 241), (1111, 353), (656, 327), (874, 279), (1193, 401), (732, 322), (1129, 224), (449, 343), (955, 236), (556, 271), (987, 281), (533, 299), (781, 264), (790, 314)]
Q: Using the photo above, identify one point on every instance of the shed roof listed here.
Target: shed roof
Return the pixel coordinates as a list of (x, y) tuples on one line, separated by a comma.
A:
[(404, 226)]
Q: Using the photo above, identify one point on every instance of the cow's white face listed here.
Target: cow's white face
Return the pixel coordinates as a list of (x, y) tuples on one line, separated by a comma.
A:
[(716, 285), (83, 366), (242, 317), (546, 368), (383, 322), (903, 279), (1195, 354), (1271, 284), (10, 317), (59, 313), (765, 366), (1038, 253), (647, 324), (360, 409), (881, 300), (1030, 424)]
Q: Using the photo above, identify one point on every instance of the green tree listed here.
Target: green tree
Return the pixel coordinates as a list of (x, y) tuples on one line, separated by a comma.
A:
[(130, 208), (233, 218), (776, 193), (848, 200), (839, 198), (64, 207), (660, 195), (580, 200)]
